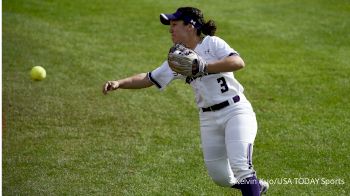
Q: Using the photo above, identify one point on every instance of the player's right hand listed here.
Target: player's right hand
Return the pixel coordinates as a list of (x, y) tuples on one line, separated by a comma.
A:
[(110, 86)]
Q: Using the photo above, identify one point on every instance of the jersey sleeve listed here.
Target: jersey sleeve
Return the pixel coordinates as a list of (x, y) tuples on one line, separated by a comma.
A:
[(221, 48), (163, 75)]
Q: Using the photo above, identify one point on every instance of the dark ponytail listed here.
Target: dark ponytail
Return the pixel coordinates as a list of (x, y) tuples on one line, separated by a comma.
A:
[(209, 28)]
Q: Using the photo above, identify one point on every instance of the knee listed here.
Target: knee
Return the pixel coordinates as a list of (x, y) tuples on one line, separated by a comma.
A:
[(241, 160), (220, 173)]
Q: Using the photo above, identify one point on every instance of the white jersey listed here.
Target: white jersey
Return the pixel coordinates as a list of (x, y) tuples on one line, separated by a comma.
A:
[(210, 89)]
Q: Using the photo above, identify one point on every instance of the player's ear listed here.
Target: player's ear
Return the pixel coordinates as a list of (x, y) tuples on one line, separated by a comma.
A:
[(190, 27)]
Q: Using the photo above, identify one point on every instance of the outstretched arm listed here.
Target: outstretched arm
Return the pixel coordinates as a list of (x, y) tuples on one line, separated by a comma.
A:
[(134, 82)]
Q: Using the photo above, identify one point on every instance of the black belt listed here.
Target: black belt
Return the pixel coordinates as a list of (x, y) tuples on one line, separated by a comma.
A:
[(221, 105)]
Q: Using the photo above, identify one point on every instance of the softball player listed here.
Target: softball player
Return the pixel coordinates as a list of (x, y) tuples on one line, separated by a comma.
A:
[(227, 121)]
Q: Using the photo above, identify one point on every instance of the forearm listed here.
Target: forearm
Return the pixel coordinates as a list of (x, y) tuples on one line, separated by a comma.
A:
[(228, 64), (135, 82)]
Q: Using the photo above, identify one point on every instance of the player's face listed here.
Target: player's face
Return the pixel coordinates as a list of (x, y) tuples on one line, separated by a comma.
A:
[(178, 31)]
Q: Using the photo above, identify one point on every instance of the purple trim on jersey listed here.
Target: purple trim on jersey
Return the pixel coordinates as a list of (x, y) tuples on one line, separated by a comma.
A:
[(153, 80)]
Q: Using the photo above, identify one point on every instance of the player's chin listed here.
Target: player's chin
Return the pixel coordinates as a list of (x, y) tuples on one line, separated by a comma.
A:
[(175, 41)]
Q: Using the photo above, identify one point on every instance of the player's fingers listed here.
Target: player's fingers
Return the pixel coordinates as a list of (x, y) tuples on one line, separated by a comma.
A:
[(106, 87), (114, 85)]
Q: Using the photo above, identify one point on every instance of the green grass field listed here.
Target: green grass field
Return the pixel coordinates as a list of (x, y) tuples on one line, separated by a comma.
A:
[(62, 136)]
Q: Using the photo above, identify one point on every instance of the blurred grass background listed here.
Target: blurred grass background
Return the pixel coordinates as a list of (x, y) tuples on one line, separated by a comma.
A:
[(61, 136)]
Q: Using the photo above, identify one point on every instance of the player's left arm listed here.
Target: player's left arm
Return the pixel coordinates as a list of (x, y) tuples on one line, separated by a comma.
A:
[(228, 64)]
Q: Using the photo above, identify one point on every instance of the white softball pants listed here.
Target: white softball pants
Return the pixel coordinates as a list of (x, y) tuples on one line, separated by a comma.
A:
[(227, 138)]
